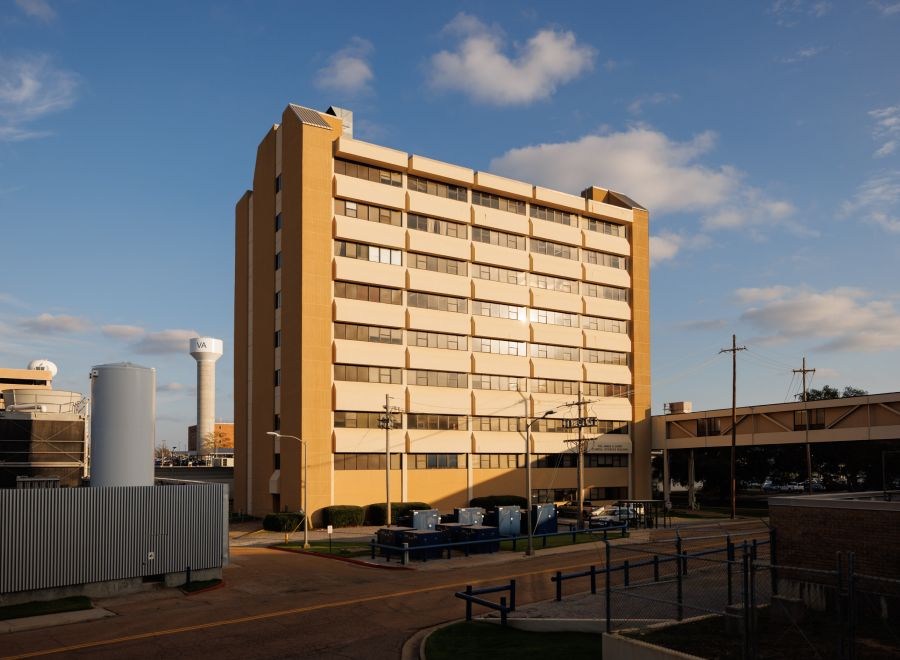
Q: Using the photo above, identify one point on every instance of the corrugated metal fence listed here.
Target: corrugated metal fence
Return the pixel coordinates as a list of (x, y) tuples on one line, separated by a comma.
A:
[(58, 537)]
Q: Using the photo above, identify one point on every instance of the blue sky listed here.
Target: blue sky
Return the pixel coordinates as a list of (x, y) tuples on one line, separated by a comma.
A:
[(763, 137)]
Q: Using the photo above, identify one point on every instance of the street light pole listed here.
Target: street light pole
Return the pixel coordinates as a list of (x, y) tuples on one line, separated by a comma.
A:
[(530, 549), (303, 478)]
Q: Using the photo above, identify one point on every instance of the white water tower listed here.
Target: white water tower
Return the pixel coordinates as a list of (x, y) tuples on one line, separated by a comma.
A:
[(206, 350)]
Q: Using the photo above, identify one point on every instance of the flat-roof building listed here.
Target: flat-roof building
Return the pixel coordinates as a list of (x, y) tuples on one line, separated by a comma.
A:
[(464, 301)]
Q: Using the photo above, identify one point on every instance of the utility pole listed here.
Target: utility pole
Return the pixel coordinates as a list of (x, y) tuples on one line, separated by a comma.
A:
[(733, 350), (387, 423), (580, 422), (803, 370)]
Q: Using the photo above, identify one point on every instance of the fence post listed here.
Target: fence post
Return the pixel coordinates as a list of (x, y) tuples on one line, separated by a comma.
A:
[(745, 574), (593, 579), (608, 599), (625, 572), (502, 610), (729, 558), (656, 568), (753, 551), (512, 595), (751, 617), (680, 575), (773, 561), (558, 585), (851, 607), (405, 558), (469, 602), (372, 542)]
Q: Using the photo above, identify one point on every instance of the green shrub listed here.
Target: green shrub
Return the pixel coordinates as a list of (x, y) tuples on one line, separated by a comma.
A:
[(282, 522), (376, 514), (343, 515), (493, 501)]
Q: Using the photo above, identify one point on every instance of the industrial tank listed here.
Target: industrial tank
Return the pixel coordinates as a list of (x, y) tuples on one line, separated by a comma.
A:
[(123, 424)]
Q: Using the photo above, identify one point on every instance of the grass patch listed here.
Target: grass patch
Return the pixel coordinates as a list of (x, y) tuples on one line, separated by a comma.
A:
[(336, 548), (199, 585), (37, 608), (471, 640)]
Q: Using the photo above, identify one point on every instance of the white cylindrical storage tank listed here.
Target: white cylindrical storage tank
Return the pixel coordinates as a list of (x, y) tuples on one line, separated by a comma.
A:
[(123, 424)]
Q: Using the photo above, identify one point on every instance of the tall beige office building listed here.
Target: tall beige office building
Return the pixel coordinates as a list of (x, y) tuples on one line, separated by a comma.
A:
[(473, 302)]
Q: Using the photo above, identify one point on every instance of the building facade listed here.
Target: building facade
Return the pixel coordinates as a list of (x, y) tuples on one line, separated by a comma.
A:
[(465, 302)]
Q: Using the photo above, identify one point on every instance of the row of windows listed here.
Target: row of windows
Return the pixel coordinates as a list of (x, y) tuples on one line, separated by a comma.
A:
[(370, 293), (595, 356), (498, 383), (497, 274), (438, 264), (571, 460), (364, 462), (605, 292), (551, 352), (604, 227), (368, 212), (383, 335), (436, 226), (436, 422), (437, 188), (363, 374), (437, 302), (432, 378), (553, 215), (500, 238), (372, 333), (604, 324), (365, 252), (606, 259), (498, 310), (457, 230), (551, 283), (497, 202), (498, 346), (376, 461), (368, 172), (550, 317), (552, 249)]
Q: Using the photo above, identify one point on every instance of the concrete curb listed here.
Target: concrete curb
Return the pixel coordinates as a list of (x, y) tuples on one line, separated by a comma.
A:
[(414, 647), (56, 619), (348, 560), (212, 587)]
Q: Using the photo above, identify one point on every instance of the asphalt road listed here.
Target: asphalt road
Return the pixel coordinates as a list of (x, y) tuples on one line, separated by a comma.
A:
[(283, 605), (286, 605)]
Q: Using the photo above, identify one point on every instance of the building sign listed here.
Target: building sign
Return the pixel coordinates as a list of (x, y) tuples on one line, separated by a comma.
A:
[(605, 445)]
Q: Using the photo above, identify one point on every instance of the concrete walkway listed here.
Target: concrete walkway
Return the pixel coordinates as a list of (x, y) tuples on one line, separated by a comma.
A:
[(56, 619)]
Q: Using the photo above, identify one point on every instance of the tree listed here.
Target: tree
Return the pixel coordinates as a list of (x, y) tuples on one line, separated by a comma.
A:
[(210, 443), (829, 392)]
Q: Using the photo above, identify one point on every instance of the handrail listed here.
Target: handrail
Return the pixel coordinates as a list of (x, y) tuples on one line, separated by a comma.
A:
[(470, 595)]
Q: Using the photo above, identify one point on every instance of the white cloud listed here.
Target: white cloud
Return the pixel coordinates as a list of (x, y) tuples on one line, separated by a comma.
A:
[(887, 129), (664, 175), (30, 89), (877, 201), (175, 388), (886, 8), (37, 9), (165, 341), (666, 245), (802, 54), (789, 12), (122, 331), (645, 164), (48, 324), (480, 68), (657, 98), (843, 319), (348, 70)]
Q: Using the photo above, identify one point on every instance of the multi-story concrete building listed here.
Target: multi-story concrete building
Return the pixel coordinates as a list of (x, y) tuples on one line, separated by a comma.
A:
[(471, 301)]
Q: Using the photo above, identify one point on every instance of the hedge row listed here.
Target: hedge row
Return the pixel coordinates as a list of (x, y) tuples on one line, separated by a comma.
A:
[(282, 522), (493, 501), (343, 515), (376, 514)]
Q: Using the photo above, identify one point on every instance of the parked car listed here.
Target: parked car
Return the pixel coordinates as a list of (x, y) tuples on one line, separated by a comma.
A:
[(614, 515), (570, 510)]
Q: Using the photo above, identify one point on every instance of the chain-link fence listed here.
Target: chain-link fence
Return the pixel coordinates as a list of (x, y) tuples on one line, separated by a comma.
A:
[(729, 598)]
